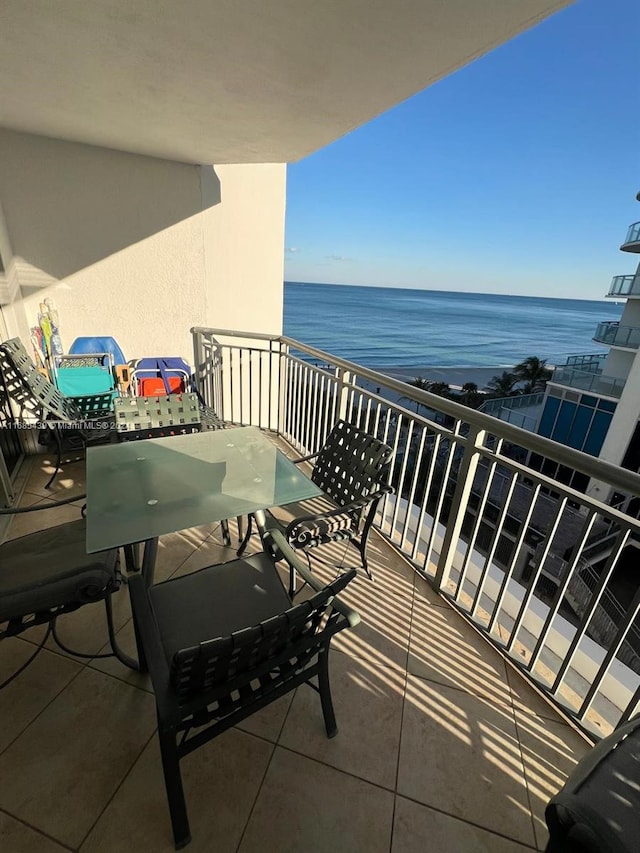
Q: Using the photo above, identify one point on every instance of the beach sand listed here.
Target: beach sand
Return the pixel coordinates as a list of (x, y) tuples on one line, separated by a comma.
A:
[(453, 376)]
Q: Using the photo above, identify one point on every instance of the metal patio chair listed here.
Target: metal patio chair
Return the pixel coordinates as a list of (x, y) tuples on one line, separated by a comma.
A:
[(82, 420), (224, 642), (158, 417), (598, 808), (352, 470), (49, 573)]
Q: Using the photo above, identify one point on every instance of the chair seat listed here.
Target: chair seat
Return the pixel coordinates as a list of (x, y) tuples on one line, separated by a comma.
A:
[(598, 808), (51, 568), (230, 596)]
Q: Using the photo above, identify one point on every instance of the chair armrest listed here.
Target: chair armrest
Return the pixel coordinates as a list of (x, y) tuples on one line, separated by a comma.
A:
[(354, 506), (147, 635), (16, 510), (276, 539), (308, 458)]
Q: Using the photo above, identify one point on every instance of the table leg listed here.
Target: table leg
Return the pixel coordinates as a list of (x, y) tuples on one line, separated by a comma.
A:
[(149, 560)]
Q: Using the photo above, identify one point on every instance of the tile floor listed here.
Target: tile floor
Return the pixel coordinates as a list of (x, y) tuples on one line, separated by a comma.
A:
[(442, 746)]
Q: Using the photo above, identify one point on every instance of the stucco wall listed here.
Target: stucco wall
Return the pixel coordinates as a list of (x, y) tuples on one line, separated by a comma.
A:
[(141, 248)]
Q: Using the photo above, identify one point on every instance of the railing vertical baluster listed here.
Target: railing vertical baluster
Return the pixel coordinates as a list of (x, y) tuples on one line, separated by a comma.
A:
[(460, 501), (401, 477), (492, 550), (526, 601), (423, 508), (554, 607), (509, 574), (412, 487), (476, 528), (614, 648), (608, 570)]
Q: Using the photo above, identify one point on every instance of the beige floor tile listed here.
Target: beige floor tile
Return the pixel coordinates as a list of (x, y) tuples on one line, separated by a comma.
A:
[(526, 698), (306, 806), (423, 589), (174, 549), (419, 829), (368, 707), (268, 722), (550, 751), (444, 648), (16, 837), (42, 680), (67, 765), (460, 754), (70, 479), (382, 637), (221, 781), (209, 553), (126, 640), (31, 522), (85, 629)]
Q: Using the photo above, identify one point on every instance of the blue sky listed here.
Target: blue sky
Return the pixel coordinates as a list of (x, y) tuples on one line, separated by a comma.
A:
[(517, 174)]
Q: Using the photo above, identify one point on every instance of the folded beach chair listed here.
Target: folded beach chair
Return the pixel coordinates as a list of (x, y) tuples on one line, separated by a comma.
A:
[(161, 375)]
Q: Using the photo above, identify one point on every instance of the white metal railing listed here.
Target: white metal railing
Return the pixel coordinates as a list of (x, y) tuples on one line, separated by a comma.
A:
[(473, 508)]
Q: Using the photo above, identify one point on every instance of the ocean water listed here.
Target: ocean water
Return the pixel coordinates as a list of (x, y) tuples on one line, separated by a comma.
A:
[(393, 327)]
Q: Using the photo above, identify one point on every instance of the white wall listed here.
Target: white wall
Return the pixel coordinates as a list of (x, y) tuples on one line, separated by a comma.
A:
[(141, 248)]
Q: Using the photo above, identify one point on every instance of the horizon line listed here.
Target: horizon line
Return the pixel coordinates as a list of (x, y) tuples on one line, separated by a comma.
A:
[(470, 292)]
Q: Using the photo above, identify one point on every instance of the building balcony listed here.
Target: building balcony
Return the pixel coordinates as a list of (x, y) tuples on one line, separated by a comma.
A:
[(591, 362), (588, 380), (615, 335), (463, 699), (632, 240), (439, 737), (625, 285)]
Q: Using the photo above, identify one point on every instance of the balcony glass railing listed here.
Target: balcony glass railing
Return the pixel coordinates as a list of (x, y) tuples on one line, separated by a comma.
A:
[(592, 362), (625, 285), (586, 380), (633, 234), (615, 335), (481, 508)]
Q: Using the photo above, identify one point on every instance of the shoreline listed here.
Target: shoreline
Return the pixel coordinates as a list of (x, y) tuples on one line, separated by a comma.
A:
[(453, 376)]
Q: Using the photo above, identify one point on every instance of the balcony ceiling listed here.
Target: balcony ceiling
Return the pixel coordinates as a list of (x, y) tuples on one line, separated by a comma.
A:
[(232, 81)]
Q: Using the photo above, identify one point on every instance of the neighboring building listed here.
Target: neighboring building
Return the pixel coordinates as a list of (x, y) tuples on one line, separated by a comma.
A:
[(592, 402)]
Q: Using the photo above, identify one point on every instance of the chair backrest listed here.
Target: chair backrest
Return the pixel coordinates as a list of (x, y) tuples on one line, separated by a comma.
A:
[(250, 661), (351, 463), (32, 392), (152, 417)]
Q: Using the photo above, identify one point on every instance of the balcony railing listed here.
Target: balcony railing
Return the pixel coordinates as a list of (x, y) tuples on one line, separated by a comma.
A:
[(469, 512), (586, 380), (625, 285), (632, 240), (518, 401), (615, 335), (591, 362)]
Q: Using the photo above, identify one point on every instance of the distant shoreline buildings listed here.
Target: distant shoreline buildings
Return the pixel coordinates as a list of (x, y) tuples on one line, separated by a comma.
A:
[(592, 402)]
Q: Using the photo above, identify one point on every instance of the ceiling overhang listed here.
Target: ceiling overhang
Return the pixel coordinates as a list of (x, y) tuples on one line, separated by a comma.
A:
[(233, 81)]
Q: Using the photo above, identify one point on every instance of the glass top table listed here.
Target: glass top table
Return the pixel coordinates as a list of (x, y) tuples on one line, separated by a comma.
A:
[(139, 490)]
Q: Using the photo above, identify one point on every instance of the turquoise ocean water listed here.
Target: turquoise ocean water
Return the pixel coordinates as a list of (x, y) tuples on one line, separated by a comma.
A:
[(384, 326)]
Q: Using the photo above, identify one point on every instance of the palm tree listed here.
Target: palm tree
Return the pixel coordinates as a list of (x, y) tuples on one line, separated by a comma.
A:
[(422, 385), (442, 389), (502, 385), (534, 372), (469, 395)]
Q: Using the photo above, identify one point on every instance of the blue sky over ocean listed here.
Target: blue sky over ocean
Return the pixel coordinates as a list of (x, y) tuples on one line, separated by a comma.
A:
[(517, 174)]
